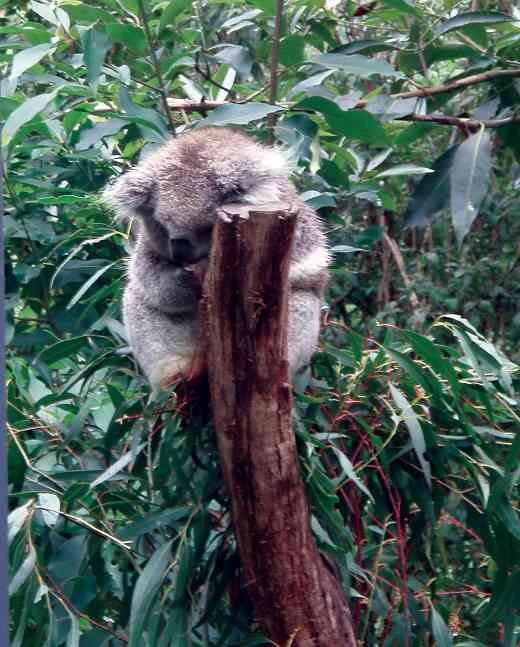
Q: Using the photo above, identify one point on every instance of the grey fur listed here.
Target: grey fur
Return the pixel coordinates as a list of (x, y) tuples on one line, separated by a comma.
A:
[(175, 193)]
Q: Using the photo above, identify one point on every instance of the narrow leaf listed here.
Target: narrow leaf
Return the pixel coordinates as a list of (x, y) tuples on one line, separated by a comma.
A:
[(96, 44), (52, 503), (440, 630), (350, 473), (405, 169), (471, 18), (119, 465), (411, 420), (28, 57), (145, 590), (89, 283), (16, 520), (23, 572), (240, 114), (361, 66), (432, 193), (23, 114), (470, 171)]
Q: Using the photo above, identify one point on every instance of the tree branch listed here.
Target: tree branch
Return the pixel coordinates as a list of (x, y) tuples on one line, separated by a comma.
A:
[(474, 79), (463, 122), (201, 106), (244, 318)]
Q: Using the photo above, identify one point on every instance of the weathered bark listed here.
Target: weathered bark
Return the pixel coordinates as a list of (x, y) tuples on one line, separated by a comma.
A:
[(244, 314)]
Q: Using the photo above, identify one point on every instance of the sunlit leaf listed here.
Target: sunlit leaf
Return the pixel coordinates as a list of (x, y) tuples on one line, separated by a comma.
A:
[(23, 114), (470, 172), (411, 420), (28, 57)]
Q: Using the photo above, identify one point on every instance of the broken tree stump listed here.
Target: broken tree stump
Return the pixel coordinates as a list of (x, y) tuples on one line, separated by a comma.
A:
[(244, 320)]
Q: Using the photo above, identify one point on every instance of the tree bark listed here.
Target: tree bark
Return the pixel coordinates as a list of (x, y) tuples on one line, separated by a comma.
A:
[(244, 313)]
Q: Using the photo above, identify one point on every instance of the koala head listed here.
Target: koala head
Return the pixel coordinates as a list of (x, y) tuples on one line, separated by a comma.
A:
[(177, 190)]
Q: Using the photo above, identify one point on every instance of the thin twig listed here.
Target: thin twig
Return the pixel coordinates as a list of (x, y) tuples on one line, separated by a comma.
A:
[(156, 64), (463, 122), (273, 89)]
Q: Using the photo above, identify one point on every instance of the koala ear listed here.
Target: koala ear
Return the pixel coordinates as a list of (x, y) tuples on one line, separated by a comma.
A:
[(133, 193)]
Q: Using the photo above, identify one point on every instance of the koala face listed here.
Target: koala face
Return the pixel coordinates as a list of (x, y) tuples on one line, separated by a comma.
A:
[(177, 190)]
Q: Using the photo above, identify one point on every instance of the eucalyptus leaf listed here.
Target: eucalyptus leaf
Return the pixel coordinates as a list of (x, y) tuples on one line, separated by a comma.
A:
[(471, 18), (469, 178), (440, 630), (145, 590), (119, 465), (29, 109), (240, 114), (25, 59), (357, 64), (411, 420)]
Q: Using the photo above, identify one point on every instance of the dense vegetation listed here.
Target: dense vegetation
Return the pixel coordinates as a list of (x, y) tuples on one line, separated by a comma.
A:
[(408, 424)]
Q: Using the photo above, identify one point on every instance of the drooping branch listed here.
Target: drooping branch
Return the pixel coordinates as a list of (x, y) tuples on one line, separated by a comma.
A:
[(244, 319)]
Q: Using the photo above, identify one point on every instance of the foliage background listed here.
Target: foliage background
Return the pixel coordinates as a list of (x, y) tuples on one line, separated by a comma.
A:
[(408, 426)]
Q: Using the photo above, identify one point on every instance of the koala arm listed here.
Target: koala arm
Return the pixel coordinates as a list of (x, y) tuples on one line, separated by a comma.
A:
[(170, 289), (310, 257)]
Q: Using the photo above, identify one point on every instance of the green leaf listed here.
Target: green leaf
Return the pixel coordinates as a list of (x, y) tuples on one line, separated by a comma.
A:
[(291, 49), (237, 57), (62, 349), (132, 37), (349, 473), (310, 82), (170, 13), (16, 520), (145, 590), (508, 516), (74, 633), (240, 114), (52, 504), (411, 420), (23, 572), (355, 124), (431, 354), (28, 57), (404, 7), (357, 64), (432, 193), (96, 44), (405, 169), (469, 178), (119, 465), (152, 522), (23, 114), (346, 249), (267, 6), (84, 13), (440, 630), (89, 283), (471, 18)]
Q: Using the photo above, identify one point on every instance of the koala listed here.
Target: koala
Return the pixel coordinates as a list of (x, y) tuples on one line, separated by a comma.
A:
[(174, 194)]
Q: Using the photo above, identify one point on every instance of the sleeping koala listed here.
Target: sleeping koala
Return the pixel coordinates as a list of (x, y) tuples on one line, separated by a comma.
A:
[(175, 193)]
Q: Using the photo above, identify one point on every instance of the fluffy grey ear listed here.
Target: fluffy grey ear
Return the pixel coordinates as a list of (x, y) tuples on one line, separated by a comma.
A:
[(132, 194)]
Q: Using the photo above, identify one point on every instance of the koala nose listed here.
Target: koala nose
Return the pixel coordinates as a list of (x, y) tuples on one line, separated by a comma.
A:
[(184, 251)]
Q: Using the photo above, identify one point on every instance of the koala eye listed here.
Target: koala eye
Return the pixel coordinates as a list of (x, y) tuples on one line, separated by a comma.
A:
[(233, 195)]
